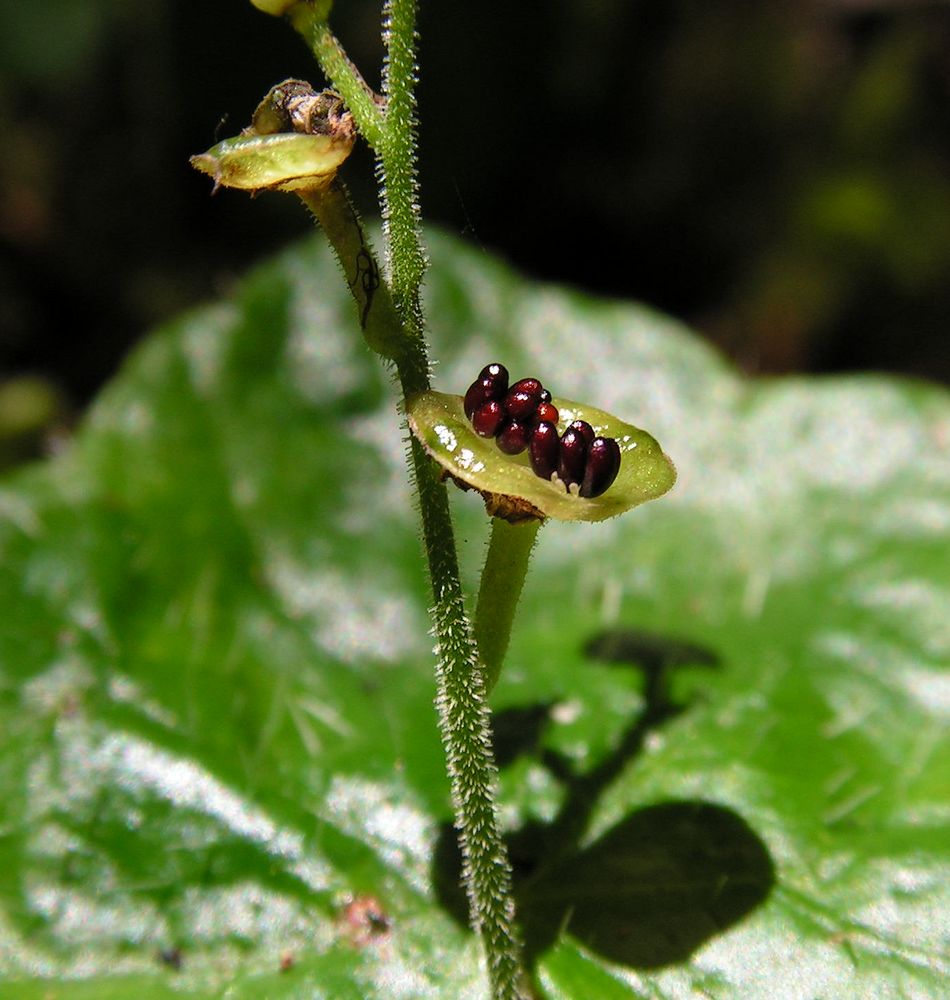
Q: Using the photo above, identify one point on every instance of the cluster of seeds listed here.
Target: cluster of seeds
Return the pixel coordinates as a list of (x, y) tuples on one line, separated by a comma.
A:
[(523, 417)]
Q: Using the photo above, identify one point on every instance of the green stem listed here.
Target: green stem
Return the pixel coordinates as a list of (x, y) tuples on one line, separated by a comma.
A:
[(464, 722), (344, 77), (503, 575), (464, 718), (462, 697), (465, 727), (334, 211), (401, 215)]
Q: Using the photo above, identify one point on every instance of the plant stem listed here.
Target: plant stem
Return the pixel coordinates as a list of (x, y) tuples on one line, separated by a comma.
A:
[(342, 74), (406, 258), (334, 211), (464, 718), (392, 136), (464, 722), (503, 575)]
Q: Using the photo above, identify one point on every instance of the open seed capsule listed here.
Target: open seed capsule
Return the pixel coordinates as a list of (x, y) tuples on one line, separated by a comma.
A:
[(603, 464), (510, 486), (543, 449)]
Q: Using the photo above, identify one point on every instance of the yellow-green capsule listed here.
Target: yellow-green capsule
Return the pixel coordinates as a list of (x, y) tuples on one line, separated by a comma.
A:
[(282, 162), (318, 10), (508, 483), (276, 7)]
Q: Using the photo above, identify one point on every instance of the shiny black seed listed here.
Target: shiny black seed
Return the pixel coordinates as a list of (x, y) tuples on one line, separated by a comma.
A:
[(546, 413), (520, 405), (585, 429), (479, 393), (572, 456), (499, 375), (603, 464), (488, 418), (545, 396), (543, 449), (513, 437)]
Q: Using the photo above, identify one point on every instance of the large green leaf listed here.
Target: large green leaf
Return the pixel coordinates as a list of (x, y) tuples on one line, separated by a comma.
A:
[(724, 770)]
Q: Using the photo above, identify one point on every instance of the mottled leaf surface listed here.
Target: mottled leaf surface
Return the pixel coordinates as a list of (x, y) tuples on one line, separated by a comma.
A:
[(722, 729)]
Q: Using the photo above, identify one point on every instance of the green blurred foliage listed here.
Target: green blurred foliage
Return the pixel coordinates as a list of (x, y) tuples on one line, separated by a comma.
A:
[(722, 725)]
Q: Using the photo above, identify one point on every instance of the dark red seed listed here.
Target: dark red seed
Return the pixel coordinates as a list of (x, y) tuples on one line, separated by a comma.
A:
[(479, 393), (529, 385), (603, 464), (572, 456), (585, 429), (492, 383), (545, 396), (543, 449), (488, 418), (520, 405), (546, 413), (513, 437), (498, 374)]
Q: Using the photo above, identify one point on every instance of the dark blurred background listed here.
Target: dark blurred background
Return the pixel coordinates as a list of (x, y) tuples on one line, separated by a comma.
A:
[(776, 174)]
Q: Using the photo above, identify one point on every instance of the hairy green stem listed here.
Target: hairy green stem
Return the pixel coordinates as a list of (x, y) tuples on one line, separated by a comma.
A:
[(464, 719), (342, 74), (503, 575), (391, 134), (335, 212), (462, 697), (406, 258)]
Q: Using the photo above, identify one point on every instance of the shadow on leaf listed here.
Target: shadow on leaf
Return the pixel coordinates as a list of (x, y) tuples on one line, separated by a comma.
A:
[(655, 887)]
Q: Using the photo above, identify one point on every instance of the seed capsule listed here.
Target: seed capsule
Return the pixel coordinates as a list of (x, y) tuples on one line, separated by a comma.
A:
[(546, 413), (513, 437), (603, 464), (287, 161), (543, 449), (572, 456), (520, 405), (488, 418)]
